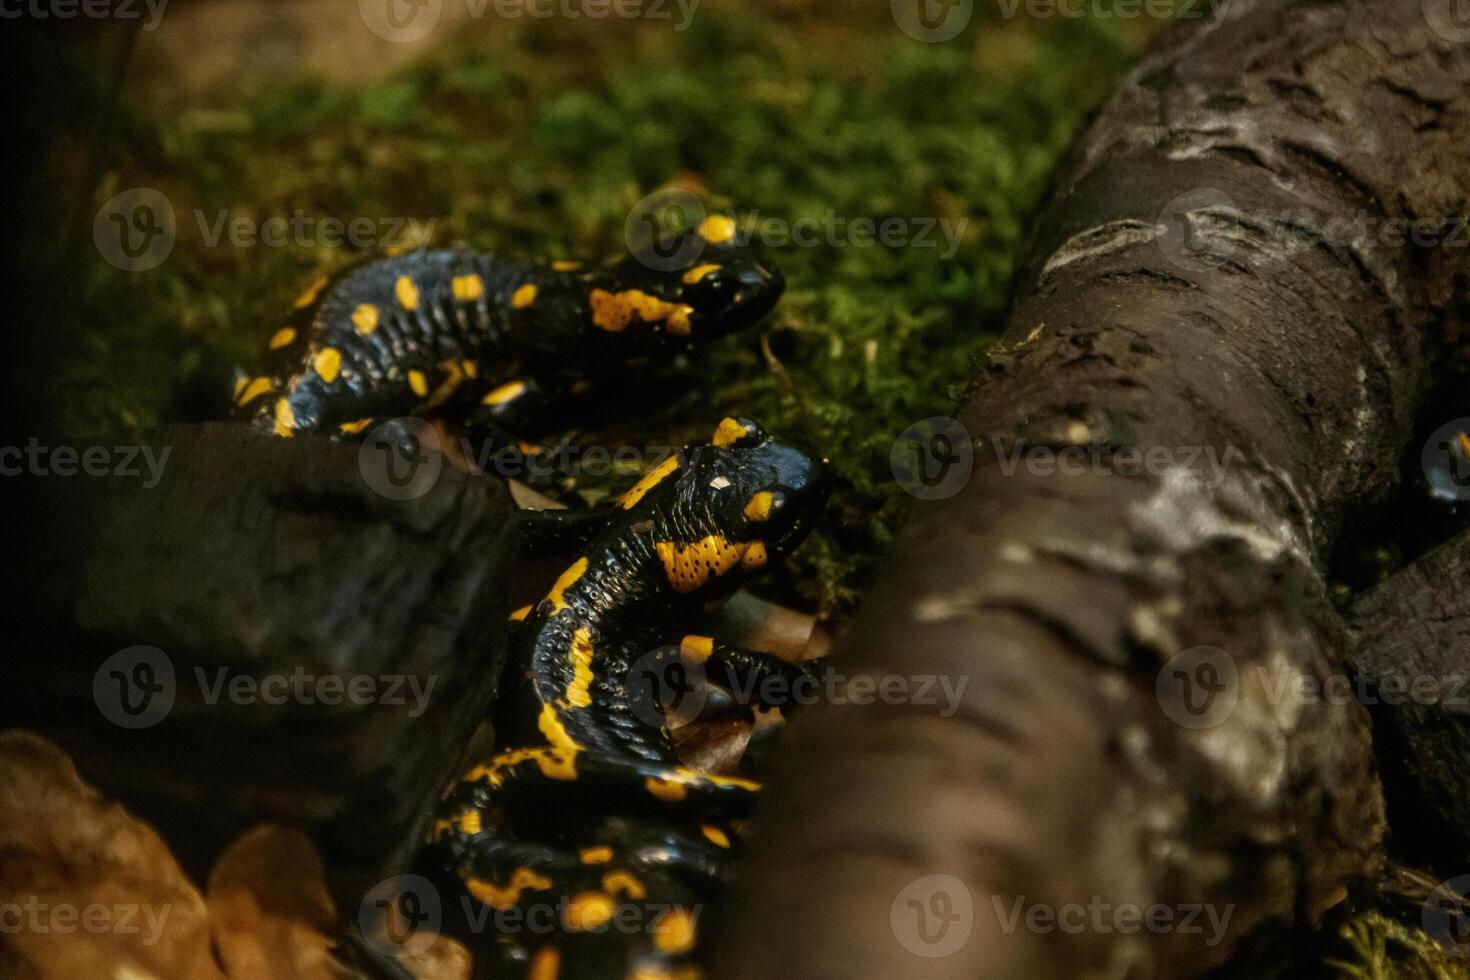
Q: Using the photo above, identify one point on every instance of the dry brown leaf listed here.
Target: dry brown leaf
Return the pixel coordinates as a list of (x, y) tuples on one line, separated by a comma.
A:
[(270, 912), (274, 919), (714, 744), (98, 894), (442, 959)]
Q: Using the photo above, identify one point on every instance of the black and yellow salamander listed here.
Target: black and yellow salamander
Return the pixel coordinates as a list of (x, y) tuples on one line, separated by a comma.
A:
[(585, 817), (496, 342)]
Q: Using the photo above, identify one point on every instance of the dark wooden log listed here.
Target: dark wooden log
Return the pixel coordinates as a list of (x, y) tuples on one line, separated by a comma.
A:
[(267, 634), (1130, 628), (1413, 659)]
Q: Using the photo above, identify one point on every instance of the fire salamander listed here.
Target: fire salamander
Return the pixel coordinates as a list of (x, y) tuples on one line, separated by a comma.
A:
[(501, 340), (585, 821)]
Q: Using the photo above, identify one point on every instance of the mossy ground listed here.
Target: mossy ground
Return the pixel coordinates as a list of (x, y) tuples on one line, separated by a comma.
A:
[(542, 140), (543, 143)]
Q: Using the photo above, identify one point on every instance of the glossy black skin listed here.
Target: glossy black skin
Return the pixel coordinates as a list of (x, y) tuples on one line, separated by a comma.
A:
[(621, 602), (463, 342)]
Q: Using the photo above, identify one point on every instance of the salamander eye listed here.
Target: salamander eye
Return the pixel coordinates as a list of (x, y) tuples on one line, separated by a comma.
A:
[(737, 434), (709, 288)]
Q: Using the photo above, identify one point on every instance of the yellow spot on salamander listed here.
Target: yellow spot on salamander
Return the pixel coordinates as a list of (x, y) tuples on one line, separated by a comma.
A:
[(595, 855), (731, 781), (557, 595), (469, 822), (556, 764), (564, 265), (589, 910), (668, 790), (650, 480), (328, 363), (646, 972), (715, 835), (520, 614), (471, 369), (504, 896), (614, 311), (758, 507), (468, 288), (407, 293), (285, 418), (282, 338), (365, 318), (580, 656), (418, 383), (729, 432), (1465, 445), (509, 391), (353, 428), (699, 272), (622, 881), (253, 390), (717, 228), (690, 566), (524, 296), (308, 296), (675, 930), (696, 649), (551, 726), (545, 964), (754, 557)]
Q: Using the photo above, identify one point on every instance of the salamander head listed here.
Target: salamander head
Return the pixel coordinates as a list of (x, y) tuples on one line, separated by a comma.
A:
[(689, 288), (734, 506)]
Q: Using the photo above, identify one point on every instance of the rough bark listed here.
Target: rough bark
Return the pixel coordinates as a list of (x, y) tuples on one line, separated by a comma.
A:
[(252, 559), (1184, 292), (1413, 657)]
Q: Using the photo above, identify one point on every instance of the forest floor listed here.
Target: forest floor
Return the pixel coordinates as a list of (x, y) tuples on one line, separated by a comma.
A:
[(540, 137)]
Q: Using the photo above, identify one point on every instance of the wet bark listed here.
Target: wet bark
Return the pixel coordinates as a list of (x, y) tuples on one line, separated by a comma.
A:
[(1217, 279)]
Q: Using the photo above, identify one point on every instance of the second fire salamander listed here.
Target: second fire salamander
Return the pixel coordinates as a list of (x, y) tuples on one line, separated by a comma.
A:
[(496, 343), (587, 811)]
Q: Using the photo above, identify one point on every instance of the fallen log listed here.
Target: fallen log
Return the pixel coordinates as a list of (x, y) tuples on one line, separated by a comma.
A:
[(1413, 664), (1221, 336), (262, 630)]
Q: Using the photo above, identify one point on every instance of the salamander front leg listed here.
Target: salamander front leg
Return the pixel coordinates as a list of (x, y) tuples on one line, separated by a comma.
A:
[(754, 678)]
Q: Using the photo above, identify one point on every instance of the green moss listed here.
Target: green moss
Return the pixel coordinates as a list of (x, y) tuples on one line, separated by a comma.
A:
[(1382, 948)]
